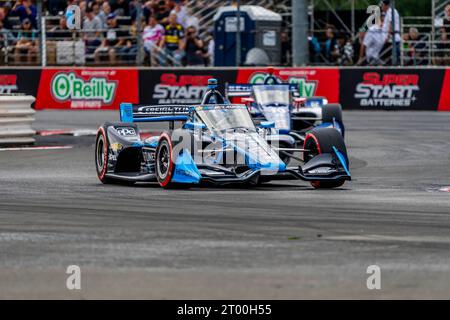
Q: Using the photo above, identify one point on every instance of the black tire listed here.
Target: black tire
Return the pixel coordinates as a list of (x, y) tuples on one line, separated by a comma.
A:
[(164, 164), (322, 140), (332, 111), (101, 156)]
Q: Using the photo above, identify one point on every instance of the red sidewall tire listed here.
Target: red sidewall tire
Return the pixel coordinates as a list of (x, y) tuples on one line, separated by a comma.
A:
[(165, 183), (102, 173)]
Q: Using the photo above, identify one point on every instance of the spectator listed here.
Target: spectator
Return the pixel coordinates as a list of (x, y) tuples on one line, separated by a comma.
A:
[(181, 12), (104, 13), (5, 13), (120, 7), (191, 20), (152, 37), (314, 48), (330, 48), (60, 32), (346, 51), (418, 48), (24, 9), (26, 44), (193, 47), (162, 11), (372, 45), (6, 39), (92, 27), (391, 35), (115, 40), (444, 47), (173, 36), (128, 52)]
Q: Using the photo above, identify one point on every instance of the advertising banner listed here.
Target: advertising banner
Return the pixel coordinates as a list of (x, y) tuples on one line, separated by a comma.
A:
[(19, 81), (311, 82), (87, 89), (180, 86), (391, 89), (444, 103)]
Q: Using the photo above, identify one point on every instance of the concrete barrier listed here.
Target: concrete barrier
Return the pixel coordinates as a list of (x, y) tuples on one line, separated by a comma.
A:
[(16, 118)]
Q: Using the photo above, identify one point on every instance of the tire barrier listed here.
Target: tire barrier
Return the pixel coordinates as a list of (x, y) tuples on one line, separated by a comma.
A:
[(16, 118)]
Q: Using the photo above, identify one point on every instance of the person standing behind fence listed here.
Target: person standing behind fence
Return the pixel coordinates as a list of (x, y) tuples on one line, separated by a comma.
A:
[(27, 45), (372, 45), (152, 37), (194, 48), (92, 27), (331, 50), (390, 34), (24, 9), (173, 36), (444, 46)]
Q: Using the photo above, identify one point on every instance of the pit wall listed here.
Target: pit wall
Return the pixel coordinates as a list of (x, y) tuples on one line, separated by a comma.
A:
[(105, 88)]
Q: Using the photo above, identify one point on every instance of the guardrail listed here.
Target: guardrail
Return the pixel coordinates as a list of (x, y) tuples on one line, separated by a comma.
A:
[(16, 118)]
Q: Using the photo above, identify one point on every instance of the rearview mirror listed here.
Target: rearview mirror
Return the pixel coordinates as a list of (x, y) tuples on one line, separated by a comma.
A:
[(194, 126)]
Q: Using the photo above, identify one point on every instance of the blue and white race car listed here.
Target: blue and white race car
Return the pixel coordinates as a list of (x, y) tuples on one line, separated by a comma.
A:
[(216, 143), (280, 103)]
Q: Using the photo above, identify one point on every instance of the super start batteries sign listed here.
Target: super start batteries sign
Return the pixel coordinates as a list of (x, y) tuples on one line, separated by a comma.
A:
[(390, 89), (87, 88)]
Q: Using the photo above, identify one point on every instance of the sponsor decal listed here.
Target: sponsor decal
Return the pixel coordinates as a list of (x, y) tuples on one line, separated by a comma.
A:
[(388, 90), (87, 88), (8, 83), (162, 110), (126, 132)]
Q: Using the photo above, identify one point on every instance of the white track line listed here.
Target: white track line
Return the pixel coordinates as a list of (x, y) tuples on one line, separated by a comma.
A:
[(37, 148)]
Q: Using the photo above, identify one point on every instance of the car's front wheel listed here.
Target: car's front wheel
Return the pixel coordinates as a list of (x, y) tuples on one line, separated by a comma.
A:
[(322, 140)]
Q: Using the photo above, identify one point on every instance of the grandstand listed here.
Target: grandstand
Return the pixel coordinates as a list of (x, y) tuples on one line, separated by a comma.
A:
[(116, 32)]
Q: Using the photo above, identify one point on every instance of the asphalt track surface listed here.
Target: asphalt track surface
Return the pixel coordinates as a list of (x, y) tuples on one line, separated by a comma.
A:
[(281, 240)]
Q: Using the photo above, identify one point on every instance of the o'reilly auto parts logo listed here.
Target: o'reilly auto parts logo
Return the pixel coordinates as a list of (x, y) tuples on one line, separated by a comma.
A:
[(388, 90), (183, 89), (69, 87), (307, 88)]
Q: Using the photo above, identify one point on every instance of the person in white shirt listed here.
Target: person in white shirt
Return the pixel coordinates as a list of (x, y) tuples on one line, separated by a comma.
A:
[(372, 45), (152, 36), (390, 33), (182, 14)]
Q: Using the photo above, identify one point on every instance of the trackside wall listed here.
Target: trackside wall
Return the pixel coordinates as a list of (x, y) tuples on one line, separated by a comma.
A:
[(105, 88)]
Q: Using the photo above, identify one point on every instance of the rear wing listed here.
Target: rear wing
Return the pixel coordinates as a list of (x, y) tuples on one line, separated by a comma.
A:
[(245, 90), (151, 113)]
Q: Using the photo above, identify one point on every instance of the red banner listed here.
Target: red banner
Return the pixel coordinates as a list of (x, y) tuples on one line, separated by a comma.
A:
[(84, 89), (444, 102), (311, 81)]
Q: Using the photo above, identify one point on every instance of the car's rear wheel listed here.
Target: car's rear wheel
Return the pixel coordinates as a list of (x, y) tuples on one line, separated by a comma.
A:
[(320, 141)]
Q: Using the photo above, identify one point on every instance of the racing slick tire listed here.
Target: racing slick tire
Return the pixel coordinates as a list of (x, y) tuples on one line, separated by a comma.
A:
[(164, 164), (322, 140), (101, 156), (332, 113)]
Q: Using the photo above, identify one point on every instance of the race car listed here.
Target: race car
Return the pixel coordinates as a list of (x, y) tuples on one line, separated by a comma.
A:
[(280, 103), (216, 143)]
